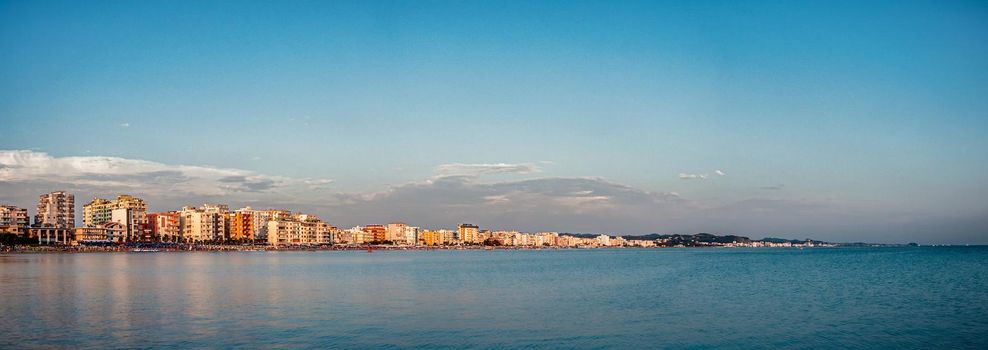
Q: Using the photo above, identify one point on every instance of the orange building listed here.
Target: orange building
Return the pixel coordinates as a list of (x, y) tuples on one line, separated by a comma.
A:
[(467, 233), (242, 225), (431, 238), (379, 232)]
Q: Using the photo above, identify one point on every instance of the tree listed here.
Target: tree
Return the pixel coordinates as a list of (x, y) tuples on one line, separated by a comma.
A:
[(492, 242)]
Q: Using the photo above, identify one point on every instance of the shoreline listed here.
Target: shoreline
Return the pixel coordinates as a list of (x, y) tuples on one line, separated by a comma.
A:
[(251, 249)]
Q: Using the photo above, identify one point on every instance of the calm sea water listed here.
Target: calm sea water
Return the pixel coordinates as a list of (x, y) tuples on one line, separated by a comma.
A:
[(860, 298)]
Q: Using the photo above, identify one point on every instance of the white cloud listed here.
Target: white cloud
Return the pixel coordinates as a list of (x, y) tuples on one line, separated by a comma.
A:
[(685, 176), (125, 125), (690, 176), (99, 173), (460, 169), (317, 183)]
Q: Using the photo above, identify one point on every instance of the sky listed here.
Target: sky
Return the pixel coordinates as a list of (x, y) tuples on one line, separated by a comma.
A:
[(842, 121)]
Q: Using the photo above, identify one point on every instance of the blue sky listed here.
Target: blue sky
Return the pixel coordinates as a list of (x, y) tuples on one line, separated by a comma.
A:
[(870, 116)]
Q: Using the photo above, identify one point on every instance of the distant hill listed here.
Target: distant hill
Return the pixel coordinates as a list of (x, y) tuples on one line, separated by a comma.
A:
[(702, 238), (783, 240), (580, 235), (694, 238)]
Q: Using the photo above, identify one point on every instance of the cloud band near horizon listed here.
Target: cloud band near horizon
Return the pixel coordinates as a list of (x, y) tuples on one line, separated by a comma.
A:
[(462, 193)]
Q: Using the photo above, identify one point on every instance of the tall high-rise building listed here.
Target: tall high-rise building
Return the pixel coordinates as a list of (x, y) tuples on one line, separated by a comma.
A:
[(56, 209), (467, 233)]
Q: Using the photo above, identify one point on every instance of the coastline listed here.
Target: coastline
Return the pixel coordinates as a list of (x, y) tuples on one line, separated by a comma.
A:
[(221, 248), (328, 248)]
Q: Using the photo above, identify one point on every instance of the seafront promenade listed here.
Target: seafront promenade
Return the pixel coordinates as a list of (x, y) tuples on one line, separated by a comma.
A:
[(178, 248), (254, 248)]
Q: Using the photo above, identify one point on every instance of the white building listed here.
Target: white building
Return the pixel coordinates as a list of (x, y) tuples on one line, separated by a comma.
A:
[(133, 222), (13, 216), (56, 209), (302, 229), (355, 235), (203, 224), (410, 235), (395, 232)]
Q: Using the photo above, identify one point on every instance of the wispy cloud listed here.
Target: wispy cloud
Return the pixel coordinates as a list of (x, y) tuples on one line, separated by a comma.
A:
[(316, 184), (691, 176), (125, 125), (460, 169), (553, 203)]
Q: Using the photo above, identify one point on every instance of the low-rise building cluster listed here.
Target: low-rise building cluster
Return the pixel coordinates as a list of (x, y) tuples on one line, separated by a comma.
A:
[(126, 219)]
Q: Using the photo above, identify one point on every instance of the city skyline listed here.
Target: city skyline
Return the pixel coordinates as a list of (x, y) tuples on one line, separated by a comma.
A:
[(626, 119), (109, 224)]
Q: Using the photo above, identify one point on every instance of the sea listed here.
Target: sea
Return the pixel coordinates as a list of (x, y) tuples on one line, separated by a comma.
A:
[(689, 298)]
